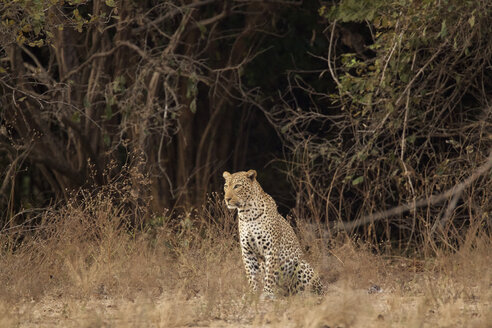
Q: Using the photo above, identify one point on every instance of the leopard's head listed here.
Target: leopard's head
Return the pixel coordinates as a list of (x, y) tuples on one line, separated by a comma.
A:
[(239, 188)]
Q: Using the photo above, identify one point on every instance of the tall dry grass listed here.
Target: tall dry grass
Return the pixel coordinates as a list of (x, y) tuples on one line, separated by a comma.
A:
[(93, 263)]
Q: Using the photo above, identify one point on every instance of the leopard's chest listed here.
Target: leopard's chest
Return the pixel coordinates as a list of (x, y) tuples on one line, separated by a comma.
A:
[(255, 236)]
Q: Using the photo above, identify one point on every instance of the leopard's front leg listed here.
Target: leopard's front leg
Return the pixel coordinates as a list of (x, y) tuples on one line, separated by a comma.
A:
[(251, 265), (271, 269)]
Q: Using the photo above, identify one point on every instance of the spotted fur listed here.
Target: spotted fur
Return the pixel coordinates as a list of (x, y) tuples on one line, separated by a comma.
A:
[(268, 242)]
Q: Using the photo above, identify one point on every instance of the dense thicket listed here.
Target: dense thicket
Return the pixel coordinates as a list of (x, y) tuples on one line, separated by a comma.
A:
[(361, 105)]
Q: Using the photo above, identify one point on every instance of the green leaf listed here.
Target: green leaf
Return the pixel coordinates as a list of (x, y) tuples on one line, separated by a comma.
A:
[(411, 139), (76, 117), (87, 103), (404, 77), (106, 140), (119, 84), (202, 28), (108, 112), (471, 21), (357, 180), (110, 100), (193, 106), (444, 30), (191, 88), (110, 3)]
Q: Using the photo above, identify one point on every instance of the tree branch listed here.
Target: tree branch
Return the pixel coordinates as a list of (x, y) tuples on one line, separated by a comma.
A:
[(433, 200)]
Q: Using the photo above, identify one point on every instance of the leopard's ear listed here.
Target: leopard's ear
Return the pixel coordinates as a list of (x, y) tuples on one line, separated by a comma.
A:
[(226, 175), (251, 174)]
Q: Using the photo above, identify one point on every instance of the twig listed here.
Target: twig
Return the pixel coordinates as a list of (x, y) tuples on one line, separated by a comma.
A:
[(12, 167), (332, 73), (407, 174), (91, 58)]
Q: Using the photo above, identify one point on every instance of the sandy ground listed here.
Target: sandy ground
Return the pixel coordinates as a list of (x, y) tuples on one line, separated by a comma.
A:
[(340, 307)]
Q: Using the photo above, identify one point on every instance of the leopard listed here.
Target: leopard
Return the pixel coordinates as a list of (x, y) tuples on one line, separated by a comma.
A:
[(269, 245)]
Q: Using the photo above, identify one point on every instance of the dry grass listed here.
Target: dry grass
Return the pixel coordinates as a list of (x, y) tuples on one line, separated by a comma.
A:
[(85, 269)]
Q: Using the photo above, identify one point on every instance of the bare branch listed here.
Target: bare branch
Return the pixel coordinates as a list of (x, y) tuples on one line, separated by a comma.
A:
[(433, 200), (171, 14)]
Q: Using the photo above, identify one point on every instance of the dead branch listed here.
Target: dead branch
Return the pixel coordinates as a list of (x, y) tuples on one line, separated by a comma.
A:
[(433, 200)]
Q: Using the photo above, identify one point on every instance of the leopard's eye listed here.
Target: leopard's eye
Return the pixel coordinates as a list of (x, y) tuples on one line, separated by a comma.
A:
[(235, 186)]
